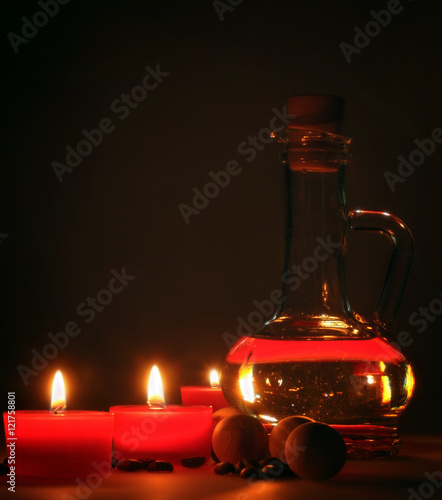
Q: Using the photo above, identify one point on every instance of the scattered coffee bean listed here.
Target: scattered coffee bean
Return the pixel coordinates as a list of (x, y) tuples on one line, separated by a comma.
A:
[(193, 462), (239, 467), (224, 468), (160, 466), (130, 465), (249, 462), (248, 471), (145, 462), (272, 470), (267, 460), (267, 468)]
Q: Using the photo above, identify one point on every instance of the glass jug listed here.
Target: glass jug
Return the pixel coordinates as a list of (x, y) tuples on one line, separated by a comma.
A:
[(317, 357)]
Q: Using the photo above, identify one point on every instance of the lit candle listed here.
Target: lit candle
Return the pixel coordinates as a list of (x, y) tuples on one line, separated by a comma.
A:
[(161, 432), (61, 443), (199, 395)]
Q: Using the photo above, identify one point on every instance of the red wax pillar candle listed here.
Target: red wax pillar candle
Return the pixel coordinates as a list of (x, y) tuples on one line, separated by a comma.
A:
[(199, 395), (70, 444), (161, 432), (170, 433), (59, 443), (196, 395)]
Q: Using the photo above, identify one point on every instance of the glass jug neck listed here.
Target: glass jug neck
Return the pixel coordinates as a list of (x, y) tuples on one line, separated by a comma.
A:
[(312, 284)]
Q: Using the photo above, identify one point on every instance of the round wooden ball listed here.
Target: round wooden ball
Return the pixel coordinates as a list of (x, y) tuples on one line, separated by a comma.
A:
[(315, 451), (222, 413), (240, 436), (281, 432)]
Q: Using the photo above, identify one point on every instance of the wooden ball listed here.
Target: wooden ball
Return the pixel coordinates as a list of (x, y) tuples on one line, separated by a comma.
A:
[(218, 416), (240, 436), (315, 451), (223, 413), (281, 432)]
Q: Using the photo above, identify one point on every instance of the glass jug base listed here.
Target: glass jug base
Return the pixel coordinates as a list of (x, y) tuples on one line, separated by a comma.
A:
[(369, 441), (359, 387)]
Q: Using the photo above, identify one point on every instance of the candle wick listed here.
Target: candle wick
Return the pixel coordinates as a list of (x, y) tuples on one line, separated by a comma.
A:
[(156, 405), (59, 409)]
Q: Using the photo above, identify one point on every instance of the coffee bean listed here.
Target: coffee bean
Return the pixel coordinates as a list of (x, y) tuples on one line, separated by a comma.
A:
[(248, 471), (160, 466), (272, 470), (239, 467), (266, 461), (130, 465), (224, 468), (145, 462), (249, 462), (193, 462)]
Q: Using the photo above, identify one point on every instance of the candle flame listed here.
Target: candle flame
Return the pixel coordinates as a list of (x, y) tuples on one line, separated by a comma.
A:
[(214, 378), (58, 400), (155, 394)]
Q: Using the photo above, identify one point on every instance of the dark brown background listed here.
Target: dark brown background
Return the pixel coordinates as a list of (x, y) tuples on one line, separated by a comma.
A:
[(119, 208)]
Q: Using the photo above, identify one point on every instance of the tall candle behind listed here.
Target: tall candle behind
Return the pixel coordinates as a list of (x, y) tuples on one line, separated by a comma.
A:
[(199, 395)]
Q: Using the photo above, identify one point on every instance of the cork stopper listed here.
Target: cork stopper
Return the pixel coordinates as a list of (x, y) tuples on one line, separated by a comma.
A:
[(323, 113)]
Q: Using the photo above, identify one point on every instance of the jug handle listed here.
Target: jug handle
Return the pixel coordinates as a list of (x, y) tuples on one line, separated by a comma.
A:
[(400, 261)]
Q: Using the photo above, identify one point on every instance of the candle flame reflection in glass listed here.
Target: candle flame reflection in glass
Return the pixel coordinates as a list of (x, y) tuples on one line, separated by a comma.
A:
[(58, 400), (246, 383), (214, 379), (155, 394)]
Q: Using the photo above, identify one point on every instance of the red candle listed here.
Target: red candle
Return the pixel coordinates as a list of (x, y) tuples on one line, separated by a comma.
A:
[(60, 443), (198, 395), (161, 432)]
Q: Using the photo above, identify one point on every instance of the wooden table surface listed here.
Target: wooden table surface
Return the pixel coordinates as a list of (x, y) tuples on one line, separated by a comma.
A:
[(389, 479)]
